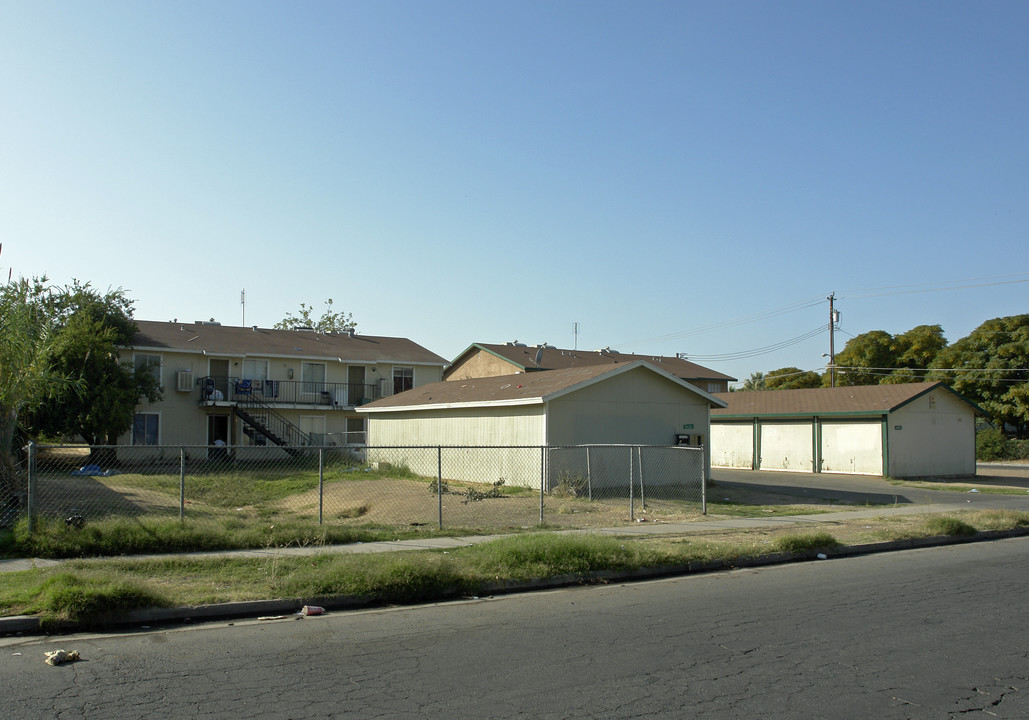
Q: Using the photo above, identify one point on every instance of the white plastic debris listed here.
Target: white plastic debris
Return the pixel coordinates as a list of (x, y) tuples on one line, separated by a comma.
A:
[(973, 490), (56, 657), (822, 556)]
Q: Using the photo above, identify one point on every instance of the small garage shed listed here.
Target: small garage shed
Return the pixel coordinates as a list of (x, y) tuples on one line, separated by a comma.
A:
[(623, 403), (907, 430)]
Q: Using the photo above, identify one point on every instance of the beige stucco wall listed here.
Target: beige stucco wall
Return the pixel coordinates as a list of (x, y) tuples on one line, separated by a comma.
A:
[(181, 421), (936, 437), (636, 407), (480, 364)]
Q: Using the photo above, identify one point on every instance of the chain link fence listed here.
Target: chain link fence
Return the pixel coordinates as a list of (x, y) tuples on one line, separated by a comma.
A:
[(474, 489)]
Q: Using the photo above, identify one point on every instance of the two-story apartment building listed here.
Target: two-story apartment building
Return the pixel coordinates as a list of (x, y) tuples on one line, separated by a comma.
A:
[(255, 386)]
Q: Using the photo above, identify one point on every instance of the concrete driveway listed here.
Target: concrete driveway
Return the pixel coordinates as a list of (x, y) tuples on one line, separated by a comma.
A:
[(869, 490)]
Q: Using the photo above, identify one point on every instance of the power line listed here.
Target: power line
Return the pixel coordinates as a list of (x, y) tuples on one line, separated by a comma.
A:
[(860, 293), (743, 354), (782, 310), (940, 286), (958, 369)]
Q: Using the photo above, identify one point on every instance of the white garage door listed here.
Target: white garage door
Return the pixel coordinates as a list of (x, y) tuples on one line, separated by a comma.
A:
[(732, 446), (787, 446), (852, 448)]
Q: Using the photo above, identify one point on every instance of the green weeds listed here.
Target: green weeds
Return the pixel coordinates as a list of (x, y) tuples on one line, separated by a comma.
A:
[(808, 542), (96, 592)]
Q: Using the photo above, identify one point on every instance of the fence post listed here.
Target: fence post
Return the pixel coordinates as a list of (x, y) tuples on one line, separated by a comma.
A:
[(439, 485), (182, 484), (639, 465), (632, 497), (589, 474), (30, 487), (321, 483), (543, 465), (703, 486)]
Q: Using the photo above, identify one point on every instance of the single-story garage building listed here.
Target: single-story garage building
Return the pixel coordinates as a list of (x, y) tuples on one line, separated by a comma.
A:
[(906, 430), (632, 403)]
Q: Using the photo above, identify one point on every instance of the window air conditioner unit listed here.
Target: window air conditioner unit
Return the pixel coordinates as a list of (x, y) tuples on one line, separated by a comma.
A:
[(184, 380)]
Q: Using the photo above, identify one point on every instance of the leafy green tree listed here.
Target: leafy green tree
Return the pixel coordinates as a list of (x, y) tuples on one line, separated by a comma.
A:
[(913, 352), (756, 381), (27, 374), (792, 378), (989, 366), (866, 359), (91, 328), (329, 322), (919, 346)]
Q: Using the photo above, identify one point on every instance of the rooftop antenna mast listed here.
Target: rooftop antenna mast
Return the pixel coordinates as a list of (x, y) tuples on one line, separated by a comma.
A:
[(243, 302), (575, 334)]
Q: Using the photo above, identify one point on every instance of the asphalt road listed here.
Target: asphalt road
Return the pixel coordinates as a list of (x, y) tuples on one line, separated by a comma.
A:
[(867, 489), (935, 633)]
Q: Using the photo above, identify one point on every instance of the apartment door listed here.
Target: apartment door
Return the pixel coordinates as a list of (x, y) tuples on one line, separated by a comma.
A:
[(356, 390), (219, 372), (217, 436), (312, 381)]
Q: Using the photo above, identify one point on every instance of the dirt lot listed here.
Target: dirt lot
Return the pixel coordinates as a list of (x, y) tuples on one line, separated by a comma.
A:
[(402, 502)]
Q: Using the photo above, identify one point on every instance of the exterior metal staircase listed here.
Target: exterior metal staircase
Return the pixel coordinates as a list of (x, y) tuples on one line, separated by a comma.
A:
[(260, 419)]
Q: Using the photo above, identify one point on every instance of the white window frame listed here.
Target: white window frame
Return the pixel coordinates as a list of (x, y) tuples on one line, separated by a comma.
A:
[(405, 369), (306, 384), (349, 434), (148, 364), (157, 438), (320, 420), (257, 362)]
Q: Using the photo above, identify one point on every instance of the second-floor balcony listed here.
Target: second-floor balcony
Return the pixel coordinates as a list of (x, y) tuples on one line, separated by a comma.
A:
[(285, 393)]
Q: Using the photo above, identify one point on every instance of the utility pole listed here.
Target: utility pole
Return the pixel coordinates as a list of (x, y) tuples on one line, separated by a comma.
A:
[(832, 339), (243, 302)]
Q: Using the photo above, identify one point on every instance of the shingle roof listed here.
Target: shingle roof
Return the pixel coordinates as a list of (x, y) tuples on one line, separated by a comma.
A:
[(552, 358), (850, 400), (516, 389), (229, 340)]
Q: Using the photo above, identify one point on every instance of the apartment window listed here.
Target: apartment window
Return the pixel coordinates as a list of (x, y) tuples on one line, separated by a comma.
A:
[(355, 430), (143, 363), (312, 377), (145, 427), (256, 370), (403, 379)]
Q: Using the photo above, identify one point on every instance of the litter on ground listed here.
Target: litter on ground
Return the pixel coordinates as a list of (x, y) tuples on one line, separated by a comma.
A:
[(56, 657)]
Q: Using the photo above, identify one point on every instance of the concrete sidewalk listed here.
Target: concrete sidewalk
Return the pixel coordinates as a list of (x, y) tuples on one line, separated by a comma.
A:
[(444, 543), (285, 609)]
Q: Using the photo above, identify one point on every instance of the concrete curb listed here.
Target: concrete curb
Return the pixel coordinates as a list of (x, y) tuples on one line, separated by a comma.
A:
[(284, 609)]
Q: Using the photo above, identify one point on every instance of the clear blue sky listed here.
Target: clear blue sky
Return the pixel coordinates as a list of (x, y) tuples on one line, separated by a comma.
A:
[(673, 176)]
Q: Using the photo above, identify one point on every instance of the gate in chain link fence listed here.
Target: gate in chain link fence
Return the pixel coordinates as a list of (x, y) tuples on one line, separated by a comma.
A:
[(477, 489)]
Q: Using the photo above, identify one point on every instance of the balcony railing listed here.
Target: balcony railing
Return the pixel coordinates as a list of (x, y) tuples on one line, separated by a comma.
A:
[(285, 393)]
